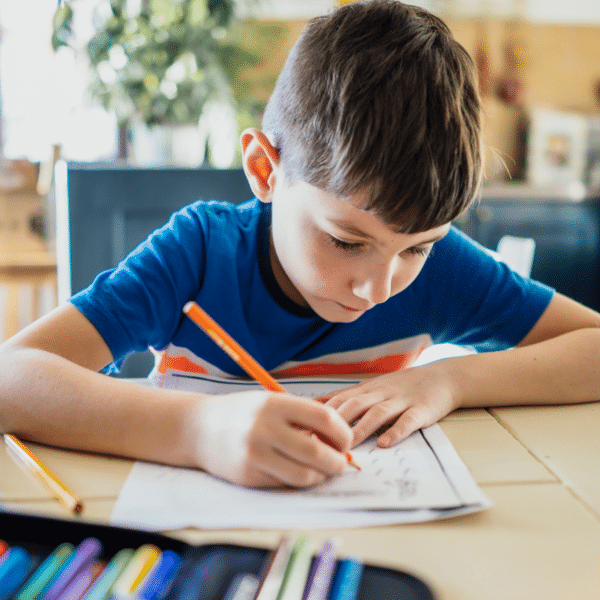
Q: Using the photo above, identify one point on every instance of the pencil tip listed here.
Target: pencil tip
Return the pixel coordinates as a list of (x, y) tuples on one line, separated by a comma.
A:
[(352, 462)]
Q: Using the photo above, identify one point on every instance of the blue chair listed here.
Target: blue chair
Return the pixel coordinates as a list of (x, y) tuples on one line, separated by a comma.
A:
[(104, 210)]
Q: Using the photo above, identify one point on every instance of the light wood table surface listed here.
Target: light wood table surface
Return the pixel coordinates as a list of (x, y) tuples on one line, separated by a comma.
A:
[(540, 539)]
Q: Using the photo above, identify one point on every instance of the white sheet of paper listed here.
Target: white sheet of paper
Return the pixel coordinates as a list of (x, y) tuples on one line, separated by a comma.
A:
[(420, 479)]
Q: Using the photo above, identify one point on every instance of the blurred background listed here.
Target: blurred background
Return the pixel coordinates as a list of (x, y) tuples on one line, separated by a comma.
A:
[(163, 84)]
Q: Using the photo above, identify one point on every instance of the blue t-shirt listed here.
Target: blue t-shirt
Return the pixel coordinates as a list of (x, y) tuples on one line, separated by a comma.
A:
[(218, 255)]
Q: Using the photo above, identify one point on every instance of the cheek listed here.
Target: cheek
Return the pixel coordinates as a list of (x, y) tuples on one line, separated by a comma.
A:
[(322, 269), (321, 266)]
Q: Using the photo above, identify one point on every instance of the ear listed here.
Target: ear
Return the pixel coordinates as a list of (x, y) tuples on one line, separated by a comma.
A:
[(260, 160)]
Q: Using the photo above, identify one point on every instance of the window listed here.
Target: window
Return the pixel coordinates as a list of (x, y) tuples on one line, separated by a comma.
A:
[(43, 94)]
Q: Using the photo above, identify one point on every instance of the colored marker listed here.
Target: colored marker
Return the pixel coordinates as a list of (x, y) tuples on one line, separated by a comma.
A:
[(81, 582), (347, 580), (3, 549), (274, 572), (159, 580), (242, 587), (101, 588), (319, 579), (81, 558), (296, 573), (14, 569), (137, 568), (45, 572)]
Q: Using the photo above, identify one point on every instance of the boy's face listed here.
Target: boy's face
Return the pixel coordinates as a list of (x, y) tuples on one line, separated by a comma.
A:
[(341, 261)]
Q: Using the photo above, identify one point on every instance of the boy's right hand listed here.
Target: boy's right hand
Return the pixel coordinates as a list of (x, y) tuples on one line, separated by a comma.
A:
[(262, 439)]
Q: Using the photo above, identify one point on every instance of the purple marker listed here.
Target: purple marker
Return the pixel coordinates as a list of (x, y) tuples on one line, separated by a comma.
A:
[(319, 579), (81, 582), (81, 558)]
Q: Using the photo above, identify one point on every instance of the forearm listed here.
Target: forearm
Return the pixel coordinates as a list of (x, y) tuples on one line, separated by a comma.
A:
[(564, 369), (49, 399)]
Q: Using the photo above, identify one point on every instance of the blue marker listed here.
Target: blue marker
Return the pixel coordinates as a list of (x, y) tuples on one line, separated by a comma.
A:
[(14, 570), (347, 580), (161, 577)]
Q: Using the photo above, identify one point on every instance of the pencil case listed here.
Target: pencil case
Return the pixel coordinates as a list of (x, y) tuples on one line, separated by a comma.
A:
[(205, 572)]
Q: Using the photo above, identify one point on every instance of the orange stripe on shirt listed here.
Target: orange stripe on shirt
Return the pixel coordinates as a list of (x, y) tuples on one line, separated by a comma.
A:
[(179, 363), (383, 364)]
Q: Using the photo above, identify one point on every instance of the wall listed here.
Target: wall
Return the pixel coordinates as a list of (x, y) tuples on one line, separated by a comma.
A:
[(558, 67)]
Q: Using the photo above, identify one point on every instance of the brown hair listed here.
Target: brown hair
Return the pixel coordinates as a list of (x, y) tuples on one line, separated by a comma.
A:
[(378, 95)]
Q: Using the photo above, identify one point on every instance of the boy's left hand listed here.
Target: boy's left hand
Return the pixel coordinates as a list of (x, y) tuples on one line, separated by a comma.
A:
[(406, 400)]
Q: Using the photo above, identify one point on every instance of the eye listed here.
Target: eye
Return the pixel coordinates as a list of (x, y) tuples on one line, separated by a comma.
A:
[(420, 250), (346, 246)]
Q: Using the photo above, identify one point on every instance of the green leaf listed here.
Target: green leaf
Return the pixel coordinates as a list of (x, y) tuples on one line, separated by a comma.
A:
[(62, 26)]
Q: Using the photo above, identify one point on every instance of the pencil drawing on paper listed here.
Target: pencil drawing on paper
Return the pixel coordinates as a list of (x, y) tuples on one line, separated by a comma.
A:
[(416, 480)]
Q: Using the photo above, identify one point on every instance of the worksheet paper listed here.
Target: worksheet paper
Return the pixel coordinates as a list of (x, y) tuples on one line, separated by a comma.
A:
[(420, 479)]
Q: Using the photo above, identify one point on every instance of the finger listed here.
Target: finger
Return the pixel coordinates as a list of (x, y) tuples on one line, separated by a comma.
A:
[(409, 421), (257, 478), (322, 420), (357, 405), (308, 450), (326, 397), (284, 470), (375, 418), (336, 398)]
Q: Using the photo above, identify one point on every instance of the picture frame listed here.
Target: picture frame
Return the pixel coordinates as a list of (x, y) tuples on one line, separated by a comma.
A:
[(557, 145)]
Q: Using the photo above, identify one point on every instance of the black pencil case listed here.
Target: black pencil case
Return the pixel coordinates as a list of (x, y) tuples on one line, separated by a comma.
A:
[(41, 535)]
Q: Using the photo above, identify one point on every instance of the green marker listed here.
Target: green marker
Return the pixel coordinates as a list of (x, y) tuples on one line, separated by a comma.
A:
[(44, 573), (102, 586), (298, 567)]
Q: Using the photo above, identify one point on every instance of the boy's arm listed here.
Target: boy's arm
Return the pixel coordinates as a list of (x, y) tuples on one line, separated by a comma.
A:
[(50, 392), (557, 362)]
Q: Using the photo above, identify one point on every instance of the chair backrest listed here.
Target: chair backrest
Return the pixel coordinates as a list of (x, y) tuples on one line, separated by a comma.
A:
[(517, 253), (104, 210)]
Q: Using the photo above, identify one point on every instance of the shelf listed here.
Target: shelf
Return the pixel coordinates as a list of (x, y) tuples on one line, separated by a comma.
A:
[(27, 260)]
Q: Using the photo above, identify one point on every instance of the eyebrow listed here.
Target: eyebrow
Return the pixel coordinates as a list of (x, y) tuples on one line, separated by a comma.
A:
[(353, 230)]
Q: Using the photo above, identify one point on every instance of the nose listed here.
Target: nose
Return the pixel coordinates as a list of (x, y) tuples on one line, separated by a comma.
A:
[(375, 285)]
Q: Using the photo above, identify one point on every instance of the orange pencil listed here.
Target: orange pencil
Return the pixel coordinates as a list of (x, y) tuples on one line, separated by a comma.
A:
[(238, 354), (64, 495)]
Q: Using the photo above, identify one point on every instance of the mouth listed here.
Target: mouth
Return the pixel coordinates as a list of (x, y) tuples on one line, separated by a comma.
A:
[(350, 309)]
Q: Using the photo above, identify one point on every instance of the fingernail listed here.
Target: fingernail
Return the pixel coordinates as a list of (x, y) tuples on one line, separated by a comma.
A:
[(384, 441)]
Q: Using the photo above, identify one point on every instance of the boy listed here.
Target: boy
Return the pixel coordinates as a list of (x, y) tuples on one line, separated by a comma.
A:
[(371, 148)]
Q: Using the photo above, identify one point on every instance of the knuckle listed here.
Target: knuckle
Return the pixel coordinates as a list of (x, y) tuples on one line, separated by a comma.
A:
[(379, 412), (326, 417), (338, 399), (411, 421)]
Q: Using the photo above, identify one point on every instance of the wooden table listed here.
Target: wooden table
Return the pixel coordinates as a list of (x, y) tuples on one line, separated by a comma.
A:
[(540, 540)]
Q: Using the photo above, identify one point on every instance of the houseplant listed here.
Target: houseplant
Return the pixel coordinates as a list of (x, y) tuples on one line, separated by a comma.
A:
[(162, 64)]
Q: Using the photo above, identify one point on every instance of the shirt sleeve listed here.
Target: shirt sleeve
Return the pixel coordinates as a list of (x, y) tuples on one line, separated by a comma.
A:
[(476, 300), (139, 303)]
